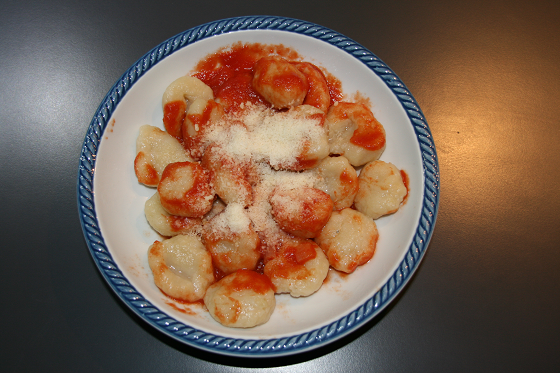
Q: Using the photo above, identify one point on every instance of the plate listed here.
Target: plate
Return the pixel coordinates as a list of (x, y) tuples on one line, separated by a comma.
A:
[(111, 201)]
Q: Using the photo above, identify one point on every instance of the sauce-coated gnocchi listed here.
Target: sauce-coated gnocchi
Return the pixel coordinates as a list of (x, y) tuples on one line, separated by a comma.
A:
[(185, 189), (355, 133), (279, 82), (299, 268), (242, 299), (166, 224), (302, 211), (231, 240), (257, 188), (155, 149)]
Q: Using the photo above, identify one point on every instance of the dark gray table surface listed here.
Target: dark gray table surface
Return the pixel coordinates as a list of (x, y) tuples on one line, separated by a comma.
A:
[(486, 74)]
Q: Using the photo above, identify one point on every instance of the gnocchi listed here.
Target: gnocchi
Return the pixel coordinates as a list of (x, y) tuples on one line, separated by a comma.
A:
[(302, 211), (229, 177), (299, 268), (231, 240), (200, 116), (155, 149), (185, 189), (279, 82), (355, 133), (166, 224), (318, 90), (348, 239), (339, 180), (258, 191), (243, 299), (182, 267), (381, 189), (177, 98)]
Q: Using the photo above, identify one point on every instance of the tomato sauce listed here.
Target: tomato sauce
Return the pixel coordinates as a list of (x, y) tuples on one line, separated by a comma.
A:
[(406, 182), (229, 72), (185, 310), (348, 179), (303, 164), (200, 120), (181, 301), (146, 173), (370, 136), (218, 273), (291, 259), (245, 279), (173, 117), (335, 87), (305, 254), (239, 90)]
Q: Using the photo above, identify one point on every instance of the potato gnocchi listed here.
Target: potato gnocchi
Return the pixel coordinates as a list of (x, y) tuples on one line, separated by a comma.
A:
[(257, 188), (242, 299), (182, 267), (381, 191), (348, 239)]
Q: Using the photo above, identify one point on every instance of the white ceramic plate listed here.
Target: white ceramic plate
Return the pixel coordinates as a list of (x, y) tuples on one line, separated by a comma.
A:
[(111, 201)]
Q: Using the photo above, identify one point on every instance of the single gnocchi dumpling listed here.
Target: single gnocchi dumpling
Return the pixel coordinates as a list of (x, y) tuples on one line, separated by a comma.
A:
[(231, 240), (348, 239), (338, 179), (279, 82), (185, 190), (182, 267), (316, 146), (177, 98), (301, 211), (355, 133), (243, 299), (382, 189), (166, 224), (202, 114), (318, 92), (302, 128), (299, 267), (155, 149)]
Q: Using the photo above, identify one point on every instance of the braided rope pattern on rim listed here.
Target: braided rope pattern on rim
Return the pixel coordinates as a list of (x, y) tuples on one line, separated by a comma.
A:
[(242, 347)]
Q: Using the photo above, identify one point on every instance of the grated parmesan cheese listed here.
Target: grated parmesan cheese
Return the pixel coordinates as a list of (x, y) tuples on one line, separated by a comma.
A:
[(234, 217), (261, 134), (270, 141)]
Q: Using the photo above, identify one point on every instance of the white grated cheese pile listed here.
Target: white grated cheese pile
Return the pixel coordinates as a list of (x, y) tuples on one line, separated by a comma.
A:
[(233, 217), (261, 134)]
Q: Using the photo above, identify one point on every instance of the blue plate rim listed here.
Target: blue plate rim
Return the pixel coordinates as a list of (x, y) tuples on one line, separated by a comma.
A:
[(246, 347)]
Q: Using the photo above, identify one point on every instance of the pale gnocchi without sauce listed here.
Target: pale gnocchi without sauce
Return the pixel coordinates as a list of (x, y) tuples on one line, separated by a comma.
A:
[(348, 239), (381, 189), (257, 191), (182, 267)]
